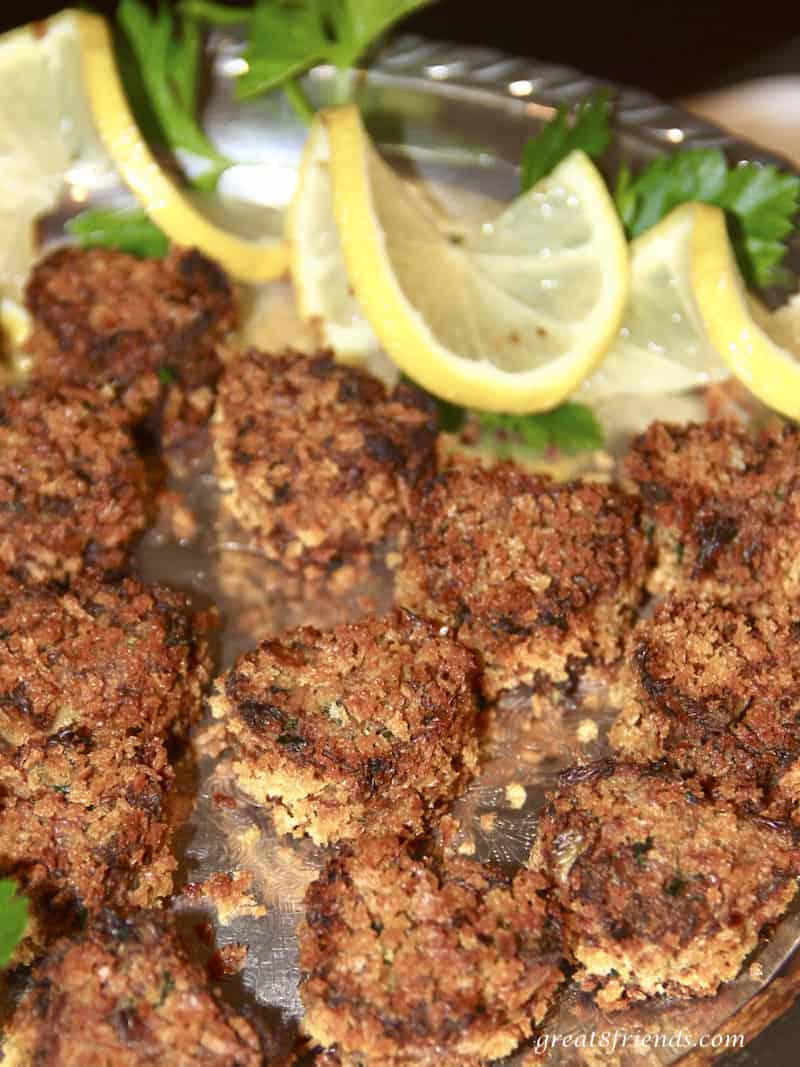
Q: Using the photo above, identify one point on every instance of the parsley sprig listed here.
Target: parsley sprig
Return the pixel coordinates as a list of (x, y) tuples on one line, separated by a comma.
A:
[(288, 37), (13, 919), (589, 129), (168, 51), (124, 230)]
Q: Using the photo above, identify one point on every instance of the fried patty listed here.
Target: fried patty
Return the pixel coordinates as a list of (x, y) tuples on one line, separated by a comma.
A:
[(317, 462), (715, 690), (539, 578), (419, 960), (368, 727), (124, 994), (72, 487), (147, 331), (664, 891), (82, 827), (722, 506), (106, 661)]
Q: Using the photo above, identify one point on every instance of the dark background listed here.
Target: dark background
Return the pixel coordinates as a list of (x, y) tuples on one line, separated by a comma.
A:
[(671, 47)]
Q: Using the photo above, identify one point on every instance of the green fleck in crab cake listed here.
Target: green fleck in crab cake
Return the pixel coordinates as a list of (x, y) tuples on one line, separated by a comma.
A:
[(72, 488), (317, 461), (125, 994), (417, 960), (664, 892), (369, 727), (714, 689), (539, 578), (722, 506)]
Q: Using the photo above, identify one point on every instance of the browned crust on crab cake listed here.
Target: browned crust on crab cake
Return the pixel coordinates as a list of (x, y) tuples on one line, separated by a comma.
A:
[(423, 960), (539, 578), (125, 993), (82, 827), (722, 506), (318, 461), (145, 330), (664, 892), (72, 488), (715, 690), (370, 727), (104, 660)]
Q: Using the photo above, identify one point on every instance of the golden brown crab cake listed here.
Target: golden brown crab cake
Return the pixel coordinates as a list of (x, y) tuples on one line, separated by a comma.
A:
[(317, 461), (72, 487), (721, 505), (101, 660), (125, 994), (416, 959), (83, 827), (714, 689), (539, 578), (664, 891), (369, 727)]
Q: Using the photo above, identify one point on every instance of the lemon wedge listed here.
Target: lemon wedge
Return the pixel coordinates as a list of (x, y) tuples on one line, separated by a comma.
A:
[(247, 260), (690, 321), (48, 142), (317, 266), (662, 346), (512, 316)]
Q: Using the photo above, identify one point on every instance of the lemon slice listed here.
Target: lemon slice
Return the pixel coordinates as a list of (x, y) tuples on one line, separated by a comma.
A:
[(509, 318), (248, 260), (768, 369), (662, 346), (316, 260), (48, 142)]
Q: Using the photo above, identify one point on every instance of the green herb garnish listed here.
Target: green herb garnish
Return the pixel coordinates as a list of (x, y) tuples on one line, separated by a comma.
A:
[(761, 202), (168, 53), (288, 37), (589, 130), (125, 230), (640, 850), (13, 919), (62, 789), (569, 428), (676, 887)]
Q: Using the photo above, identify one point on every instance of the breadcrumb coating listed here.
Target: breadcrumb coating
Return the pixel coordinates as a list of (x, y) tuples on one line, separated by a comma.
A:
[(147, 331), (82, 827), (715, 690), (317, 462), (418, 960), (664, 891), (72, 488), (104, 660), (370, 727), (539, 578), (722, 506), (125, 994)]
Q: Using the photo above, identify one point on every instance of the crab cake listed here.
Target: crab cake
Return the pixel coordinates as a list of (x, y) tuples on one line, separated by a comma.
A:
[(539, 578), (105, 661), (317, 461), (125, 994), (722, 506), (145, 330), (72, 488), (82, 826), (664, 891), (423, 960), (715, 690), (368, 727)]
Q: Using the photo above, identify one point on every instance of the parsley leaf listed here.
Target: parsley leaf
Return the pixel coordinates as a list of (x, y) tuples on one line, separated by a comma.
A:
[(760, 200), (288, 37), (589, 130), (13, 919), (168, 61), (127, 231), (570, 428)]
